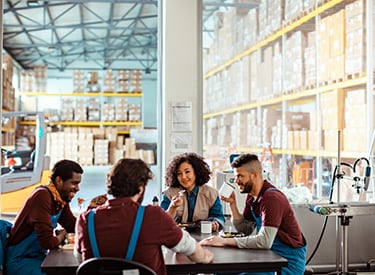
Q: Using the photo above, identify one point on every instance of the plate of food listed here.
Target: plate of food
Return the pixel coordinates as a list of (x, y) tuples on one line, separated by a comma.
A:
[(188, 226), (231, 234)]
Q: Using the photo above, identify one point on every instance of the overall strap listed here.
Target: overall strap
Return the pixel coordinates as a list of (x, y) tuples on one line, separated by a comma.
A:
[(92, 236), (135, 233)]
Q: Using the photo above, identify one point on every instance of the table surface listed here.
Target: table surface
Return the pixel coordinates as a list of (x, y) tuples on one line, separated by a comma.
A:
[(63, 261)]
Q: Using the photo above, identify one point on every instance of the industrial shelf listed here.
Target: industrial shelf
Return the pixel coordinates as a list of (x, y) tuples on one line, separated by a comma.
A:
[(136, 94), (87, 123)]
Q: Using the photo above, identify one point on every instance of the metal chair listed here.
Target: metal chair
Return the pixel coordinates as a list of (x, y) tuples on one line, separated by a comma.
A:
[(113, 266)]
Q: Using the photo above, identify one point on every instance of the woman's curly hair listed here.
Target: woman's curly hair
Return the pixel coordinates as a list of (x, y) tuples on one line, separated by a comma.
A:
[(201, 169), (126, 176)]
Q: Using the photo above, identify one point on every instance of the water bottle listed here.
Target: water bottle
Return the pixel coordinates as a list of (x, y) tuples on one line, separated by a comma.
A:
[(228, 226), (155, 201)]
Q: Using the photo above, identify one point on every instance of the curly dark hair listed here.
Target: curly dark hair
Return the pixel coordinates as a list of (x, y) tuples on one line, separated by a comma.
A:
[(64, 169), (126, 176), (201, 169)]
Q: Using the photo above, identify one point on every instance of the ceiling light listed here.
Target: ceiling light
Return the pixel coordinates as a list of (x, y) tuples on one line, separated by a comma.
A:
[(32, 3), (148, 71)]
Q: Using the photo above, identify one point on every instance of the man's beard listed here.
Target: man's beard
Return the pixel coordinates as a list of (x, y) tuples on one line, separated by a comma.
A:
[(247, 187)]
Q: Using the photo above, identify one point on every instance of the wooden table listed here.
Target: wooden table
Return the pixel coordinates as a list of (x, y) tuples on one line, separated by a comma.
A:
[(227, 259)]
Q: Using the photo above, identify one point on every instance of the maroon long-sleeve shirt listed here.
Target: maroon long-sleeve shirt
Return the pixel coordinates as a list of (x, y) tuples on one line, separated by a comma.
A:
[(35, 215)]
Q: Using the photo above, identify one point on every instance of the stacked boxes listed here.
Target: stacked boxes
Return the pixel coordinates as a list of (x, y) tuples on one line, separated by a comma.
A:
[(294, 71), (293, 9), (123, 81), (101, 155), (40, 74), (121, 109), (67, 109), (93, 110), (93, 146), (331, 47), (92, 84), (85, 146), (130, 148), (134, 112), (108, 112), (355, 121), (355, 52), (310, 60), (80, 111), (337, 35), (135, 81), (332, 114), (55, 146), (34, 80), (8, 97), (109, 82), (78, 81), (27, 81), (70, 143)]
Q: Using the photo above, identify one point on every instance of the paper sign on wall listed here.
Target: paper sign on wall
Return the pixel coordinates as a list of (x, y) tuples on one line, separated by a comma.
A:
[(181, 116), (181, 127)]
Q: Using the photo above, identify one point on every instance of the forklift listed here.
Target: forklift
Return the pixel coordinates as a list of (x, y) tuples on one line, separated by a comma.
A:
[(23, 169)]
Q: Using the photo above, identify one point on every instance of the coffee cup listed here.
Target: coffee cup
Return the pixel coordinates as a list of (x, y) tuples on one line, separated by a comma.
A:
[(206, 227), (226, 190)]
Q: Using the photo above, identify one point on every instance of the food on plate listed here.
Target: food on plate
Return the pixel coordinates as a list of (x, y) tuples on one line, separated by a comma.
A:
[(230, 234)]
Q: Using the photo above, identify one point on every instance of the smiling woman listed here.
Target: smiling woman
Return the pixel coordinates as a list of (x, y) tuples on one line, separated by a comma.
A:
[(188, 198)]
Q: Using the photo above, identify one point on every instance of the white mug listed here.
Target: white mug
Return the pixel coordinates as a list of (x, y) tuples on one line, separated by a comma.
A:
[(206, 227), (226, 190)]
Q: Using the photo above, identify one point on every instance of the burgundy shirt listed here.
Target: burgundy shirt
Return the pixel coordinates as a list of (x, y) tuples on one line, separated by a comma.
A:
[(113, 227), (35, 214), (276, 211)]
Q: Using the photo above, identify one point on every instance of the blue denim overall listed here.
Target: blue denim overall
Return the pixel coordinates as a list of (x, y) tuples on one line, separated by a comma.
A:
[(295, 256), (26, 257)]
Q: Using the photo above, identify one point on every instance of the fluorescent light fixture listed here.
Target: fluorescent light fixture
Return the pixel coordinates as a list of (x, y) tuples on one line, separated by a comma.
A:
[(32, 3)]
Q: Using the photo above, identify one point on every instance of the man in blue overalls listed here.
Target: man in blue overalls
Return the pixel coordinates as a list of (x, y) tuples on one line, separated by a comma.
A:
[(33, 231), (269, 212)]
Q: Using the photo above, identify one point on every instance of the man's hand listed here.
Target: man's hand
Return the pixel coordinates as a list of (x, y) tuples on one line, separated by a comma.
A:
[(217, 241), (208, 256), (61, 234), (97, 201), (231, 199), (212, 241)]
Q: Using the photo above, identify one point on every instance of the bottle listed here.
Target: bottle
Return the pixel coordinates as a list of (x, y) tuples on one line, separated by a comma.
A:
[(228, 226), (155, 201)]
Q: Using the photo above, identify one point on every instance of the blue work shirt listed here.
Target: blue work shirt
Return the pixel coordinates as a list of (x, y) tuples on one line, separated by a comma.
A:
[(215, 213)]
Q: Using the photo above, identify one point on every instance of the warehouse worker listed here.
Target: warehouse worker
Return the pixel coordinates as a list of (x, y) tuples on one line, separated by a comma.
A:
[(33, 231), (188, 198), (112, 228), (267, 211)]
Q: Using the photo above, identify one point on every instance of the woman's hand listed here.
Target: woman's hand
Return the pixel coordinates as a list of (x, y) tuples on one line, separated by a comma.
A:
[(176, 201), (215, 226)]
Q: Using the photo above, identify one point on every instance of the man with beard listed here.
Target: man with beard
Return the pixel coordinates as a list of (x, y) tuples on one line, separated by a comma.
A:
[(108, 231), (267, 211), (33, 231)]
